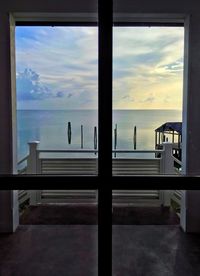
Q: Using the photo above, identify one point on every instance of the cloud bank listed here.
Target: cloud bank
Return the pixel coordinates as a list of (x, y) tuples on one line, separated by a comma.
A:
[(57, 67), (29, 86), (65, 60)]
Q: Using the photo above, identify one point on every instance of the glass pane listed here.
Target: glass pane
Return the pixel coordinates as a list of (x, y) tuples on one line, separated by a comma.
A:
[(147, 100), (57, 99)]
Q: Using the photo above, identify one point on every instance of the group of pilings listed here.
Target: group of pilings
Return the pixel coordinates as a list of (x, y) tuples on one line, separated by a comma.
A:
[(69, 134), (134, 138)]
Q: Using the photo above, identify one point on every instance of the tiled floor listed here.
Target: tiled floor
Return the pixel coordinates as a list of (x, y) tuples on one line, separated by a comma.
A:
[(49, 250), (72, 250), (149, 250), (87, 214)]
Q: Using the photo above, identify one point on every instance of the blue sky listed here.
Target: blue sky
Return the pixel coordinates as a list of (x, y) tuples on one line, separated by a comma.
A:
[(57, 67)]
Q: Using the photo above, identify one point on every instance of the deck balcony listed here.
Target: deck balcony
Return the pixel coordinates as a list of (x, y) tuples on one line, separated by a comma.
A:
[(65, 162)]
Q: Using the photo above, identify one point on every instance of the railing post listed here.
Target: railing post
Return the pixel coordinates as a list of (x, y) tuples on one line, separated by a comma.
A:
[(9, 211), (167, 159), (166, 198), (35, 197), (183, 212), (33, 157)]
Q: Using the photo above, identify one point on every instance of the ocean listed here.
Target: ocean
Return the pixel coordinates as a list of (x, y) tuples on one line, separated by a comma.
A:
[(50, 127)]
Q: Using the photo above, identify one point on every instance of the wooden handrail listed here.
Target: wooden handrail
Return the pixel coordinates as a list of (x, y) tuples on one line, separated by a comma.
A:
[(22, 160), (177, 160), (93, 151)]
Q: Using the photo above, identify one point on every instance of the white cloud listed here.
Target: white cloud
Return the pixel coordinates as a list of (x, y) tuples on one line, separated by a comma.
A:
[(147, 66)]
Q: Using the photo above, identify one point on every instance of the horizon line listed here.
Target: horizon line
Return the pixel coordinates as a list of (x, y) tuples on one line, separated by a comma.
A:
[(127, 109)]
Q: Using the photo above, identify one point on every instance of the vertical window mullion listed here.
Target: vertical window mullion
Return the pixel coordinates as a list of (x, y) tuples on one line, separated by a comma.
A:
[(105, 138)]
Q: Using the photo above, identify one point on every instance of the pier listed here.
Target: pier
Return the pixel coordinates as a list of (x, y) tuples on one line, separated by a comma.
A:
[(170, 132)]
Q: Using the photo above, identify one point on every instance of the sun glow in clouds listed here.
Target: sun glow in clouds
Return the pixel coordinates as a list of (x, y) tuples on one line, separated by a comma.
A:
[(147, 67), (57, 67)]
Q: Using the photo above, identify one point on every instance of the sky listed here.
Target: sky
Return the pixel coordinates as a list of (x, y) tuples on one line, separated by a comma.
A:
[(57, 67)]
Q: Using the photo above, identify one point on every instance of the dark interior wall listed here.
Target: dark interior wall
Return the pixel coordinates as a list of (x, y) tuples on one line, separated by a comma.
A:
[(136, 6), (5, 98), (192, 211), (5, 211), (192, 97), (49, 6), (156, 6)]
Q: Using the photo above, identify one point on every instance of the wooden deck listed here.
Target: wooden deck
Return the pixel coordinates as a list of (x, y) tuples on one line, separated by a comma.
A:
[(43, 162)]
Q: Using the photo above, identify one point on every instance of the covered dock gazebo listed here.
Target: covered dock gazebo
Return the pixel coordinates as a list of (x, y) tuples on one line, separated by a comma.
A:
[(172, 132), (168, 129)]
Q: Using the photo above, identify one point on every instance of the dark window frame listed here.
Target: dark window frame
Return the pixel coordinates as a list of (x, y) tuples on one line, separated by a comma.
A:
[(104, 143), (104, 182)]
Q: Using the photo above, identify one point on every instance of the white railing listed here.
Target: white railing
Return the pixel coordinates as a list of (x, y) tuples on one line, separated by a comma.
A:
[(137, 151), (22, 160), (22, 165), (133, 197), (39, 164), (177, 161), (176, 198), (88, 165), (23, 196)]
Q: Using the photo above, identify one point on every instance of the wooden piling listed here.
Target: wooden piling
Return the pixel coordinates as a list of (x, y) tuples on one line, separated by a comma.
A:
[(95, 139), (135, 138), (82, 136), (69, 132), (115, 139)]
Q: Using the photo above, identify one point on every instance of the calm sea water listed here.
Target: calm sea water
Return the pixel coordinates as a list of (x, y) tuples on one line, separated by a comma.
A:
[(50, 128)]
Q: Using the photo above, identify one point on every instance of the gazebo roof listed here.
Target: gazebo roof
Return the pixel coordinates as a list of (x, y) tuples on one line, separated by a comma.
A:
[(170, 126)]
